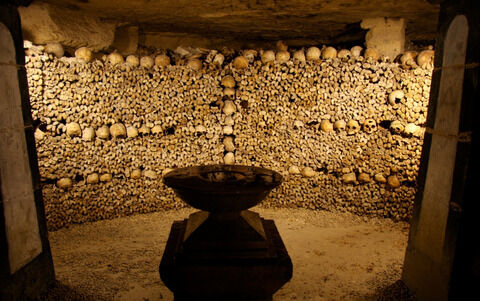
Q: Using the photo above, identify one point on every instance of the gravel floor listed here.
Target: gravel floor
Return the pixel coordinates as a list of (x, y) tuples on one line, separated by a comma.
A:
[(336, 256)]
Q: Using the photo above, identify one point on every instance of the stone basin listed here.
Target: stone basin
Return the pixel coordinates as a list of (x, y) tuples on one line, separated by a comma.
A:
[(222, 188)]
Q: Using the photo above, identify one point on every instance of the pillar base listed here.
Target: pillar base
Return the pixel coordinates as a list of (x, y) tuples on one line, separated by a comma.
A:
[(249, 272)]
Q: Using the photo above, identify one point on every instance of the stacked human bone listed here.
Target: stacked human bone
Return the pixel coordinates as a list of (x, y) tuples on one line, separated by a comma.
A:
[(344, 129)]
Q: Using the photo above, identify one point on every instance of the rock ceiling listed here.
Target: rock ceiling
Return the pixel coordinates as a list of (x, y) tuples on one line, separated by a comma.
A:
[(323, 21)]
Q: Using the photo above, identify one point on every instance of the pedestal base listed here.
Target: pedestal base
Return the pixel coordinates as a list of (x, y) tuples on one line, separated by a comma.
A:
[(254, 272)]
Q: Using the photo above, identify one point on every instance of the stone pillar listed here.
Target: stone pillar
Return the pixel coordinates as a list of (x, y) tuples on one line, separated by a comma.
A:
[(386, 35), (442, 261), (126, 39), (26, 267)]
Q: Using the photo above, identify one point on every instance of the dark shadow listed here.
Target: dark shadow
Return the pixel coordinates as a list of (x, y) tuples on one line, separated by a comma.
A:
[(60, 291), (397, 291)]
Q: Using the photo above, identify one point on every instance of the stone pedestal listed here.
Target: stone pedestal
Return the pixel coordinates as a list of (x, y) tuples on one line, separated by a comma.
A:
[(225, 257)]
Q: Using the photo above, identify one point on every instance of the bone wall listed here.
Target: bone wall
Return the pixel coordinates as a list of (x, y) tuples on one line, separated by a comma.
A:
[(345, 130)]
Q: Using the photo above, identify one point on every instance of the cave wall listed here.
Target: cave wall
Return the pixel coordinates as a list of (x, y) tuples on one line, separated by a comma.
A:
[(290, 115)]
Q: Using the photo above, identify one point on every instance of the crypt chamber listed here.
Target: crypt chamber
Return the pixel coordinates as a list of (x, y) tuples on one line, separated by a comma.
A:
[(345, 126)]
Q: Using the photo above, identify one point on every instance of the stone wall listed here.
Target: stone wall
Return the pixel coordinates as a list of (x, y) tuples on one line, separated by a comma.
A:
[(345, 130)]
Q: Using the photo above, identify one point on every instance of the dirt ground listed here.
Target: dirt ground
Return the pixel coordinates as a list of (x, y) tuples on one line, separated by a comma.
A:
[(336, 256)]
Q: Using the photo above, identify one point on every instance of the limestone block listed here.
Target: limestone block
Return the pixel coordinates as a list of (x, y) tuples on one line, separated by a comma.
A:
[(126, 39), (386, 35), (43, 23)]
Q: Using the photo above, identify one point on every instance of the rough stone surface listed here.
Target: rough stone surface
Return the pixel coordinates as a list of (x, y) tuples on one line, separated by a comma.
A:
[(212, 23), (386, 35), (126, 39), (43, 23)]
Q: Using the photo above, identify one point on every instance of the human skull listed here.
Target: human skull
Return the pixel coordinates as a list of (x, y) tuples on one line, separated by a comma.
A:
[(73, 129), (412, 129), (194, 64), (229, 158), (371, 53), (326, 126), (162, 60), (147, 62), (115, 58), (229, 92), (425, 57), (250, 55), (329, 53), (297, 124), (83, 53), (356, 51), (408, 58), (313, 53), (282, 56), (240, 62), (344, 53), (218, 59), (268, 56), (132, 60), (299, 55), (340, 125), (55, 49), (395, 98), (352, 127), (228, 81), (369, 126), (396, 127)]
